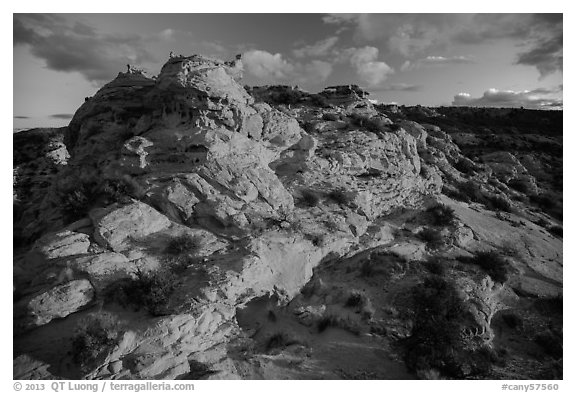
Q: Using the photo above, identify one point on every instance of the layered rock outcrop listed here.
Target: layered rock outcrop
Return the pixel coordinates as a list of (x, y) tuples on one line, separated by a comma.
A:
[(265, 192)]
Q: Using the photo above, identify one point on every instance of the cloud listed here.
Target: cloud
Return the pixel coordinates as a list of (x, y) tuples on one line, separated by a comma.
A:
[(265, 65), (314, 72), (447, 60), (167, 34), (415, 35), (318, 49), (78, 47), (406, 87), (62, 116), (530, 99), (545, 55), (365, 62), (275, 68), (436, 61)]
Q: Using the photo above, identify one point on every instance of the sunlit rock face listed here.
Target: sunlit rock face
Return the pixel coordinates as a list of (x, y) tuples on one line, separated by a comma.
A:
[(273, 196)]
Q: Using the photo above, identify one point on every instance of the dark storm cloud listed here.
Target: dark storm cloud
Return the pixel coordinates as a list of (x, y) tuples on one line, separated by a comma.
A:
[(530, 99), (62, 116), (546, 55), (78, 47), (414, 35)]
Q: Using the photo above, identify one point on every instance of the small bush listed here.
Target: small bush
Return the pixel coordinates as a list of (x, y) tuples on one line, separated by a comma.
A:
[(471, 191), (367, 268), (316, 239), (465, 166), (281, 340), (340, 197), (513, 320), (442, 215), (436, 266), (394, 127), (310, 198), (355, 299), (197, 370), (93, 338), (494, 264), (432, 237), (544, 201), (551, 342), (518, 185), (150, 290), (184, 244), (320, 101), (330, 117), (435, 341), (76, 203), (332, 320), (78, 195), (499, 203), (455, 194)]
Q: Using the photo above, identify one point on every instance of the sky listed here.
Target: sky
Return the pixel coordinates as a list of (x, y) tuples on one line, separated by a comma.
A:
[(492, 60)]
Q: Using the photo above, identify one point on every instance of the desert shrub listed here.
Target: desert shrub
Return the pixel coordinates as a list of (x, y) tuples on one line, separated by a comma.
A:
[(456, 194), (280, 340), (340, 197), (288, 97), (544, 201), (367, 268), (76, 203), (494, 264), (80, 194), (556, 230), (316, 239), (436, 266), (542, 222), (432, 237), (309, 198), (332, 320), (93, 338), (471, 190), (442, 215), (383, 264), (330, 116), (178, 264), (551, 342), (435, 340), (149, 290), (394, 127), (519, 186), (465, 166), (512, 320), (499, 203), (184, 244), (197, 370), (550, 307), (355, 299), (376, 125), (358, 119), (319, 100)]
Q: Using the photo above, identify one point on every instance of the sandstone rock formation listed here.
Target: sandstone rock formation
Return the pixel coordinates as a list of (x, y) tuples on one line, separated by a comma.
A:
[(291, 205)]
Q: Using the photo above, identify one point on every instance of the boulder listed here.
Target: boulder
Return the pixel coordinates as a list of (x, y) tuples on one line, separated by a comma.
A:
[(117, 227), (62, 244), (57, 302)]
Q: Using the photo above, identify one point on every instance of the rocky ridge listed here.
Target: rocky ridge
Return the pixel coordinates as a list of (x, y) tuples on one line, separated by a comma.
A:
[(277, 199)]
